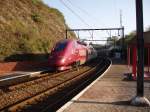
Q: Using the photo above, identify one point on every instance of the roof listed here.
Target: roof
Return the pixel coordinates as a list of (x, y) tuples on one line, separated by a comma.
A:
[(146, 38)]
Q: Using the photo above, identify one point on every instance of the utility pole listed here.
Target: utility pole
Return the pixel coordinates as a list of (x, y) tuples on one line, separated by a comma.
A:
[(120, 18), (66, 34), (139, 99), (122, 36)]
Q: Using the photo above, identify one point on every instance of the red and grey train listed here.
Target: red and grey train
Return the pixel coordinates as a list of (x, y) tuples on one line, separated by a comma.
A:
[(69, 52)]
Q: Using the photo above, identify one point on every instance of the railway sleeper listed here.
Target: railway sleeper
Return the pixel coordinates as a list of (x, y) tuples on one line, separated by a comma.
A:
[(76, 65)]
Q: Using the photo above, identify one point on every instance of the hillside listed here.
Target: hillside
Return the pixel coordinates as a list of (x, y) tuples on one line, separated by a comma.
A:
[(29, 26)]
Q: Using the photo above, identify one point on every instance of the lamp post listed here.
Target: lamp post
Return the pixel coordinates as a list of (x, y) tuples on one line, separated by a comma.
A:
[(139, 99)]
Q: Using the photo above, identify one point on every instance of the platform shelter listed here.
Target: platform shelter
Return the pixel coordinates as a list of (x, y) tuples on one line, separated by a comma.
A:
[(132, 55)]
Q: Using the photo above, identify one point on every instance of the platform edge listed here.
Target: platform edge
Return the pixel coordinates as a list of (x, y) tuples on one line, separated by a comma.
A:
[(83, 91)]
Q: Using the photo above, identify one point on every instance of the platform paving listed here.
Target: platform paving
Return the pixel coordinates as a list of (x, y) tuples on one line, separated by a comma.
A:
[(111, 93)]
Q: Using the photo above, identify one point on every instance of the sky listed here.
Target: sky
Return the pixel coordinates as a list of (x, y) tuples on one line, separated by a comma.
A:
[(101, 14)]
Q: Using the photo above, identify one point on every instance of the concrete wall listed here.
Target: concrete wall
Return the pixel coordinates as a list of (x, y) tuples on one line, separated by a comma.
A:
[(6, 67)]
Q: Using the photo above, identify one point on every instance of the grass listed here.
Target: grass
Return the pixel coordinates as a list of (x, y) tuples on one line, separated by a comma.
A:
[(34, 28), (36, 1), (36, 17), (57, 13)]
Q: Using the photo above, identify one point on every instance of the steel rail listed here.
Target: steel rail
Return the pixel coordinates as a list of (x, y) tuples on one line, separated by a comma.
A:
[(37, 96), (74, 90)]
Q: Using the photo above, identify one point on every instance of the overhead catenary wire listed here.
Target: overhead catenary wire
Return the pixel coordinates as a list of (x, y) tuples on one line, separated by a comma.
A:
[(83, 10), (77, 14), (80, 18), (78, 7), (86, 13), (74, 13), (67, 5)]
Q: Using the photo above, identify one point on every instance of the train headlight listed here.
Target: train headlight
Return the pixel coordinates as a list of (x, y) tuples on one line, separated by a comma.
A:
[(63, 60)]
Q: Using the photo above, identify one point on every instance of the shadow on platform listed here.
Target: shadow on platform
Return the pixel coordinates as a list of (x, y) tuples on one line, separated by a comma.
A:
[(123, 103), (116, 61)]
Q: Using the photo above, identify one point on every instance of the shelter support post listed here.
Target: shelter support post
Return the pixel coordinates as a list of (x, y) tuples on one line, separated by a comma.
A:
[(148, 58), (134, 62), (129, 57)]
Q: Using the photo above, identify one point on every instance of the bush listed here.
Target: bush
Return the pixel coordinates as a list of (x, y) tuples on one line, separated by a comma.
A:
[(57, 13), (36, 1), (36, 17)]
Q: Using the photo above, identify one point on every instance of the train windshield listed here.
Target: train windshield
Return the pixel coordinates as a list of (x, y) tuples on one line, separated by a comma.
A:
[(60, 46)]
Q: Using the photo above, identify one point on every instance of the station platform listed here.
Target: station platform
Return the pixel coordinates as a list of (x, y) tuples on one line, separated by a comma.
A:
[(110, 93)]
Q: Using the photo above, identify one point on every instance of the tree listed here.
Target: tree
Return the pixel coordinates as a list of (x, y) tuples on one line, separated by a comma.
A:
[(112, 40)]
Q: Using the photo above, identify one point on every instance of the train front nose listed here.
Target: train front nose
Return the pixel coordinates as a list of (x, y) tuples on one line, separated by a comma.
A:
[(57, 60), (60, 61)]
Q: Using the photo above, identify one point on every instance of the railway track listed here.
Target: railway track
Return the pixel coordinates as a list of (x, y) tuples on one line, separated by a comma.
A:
[(30, 89), (77, 87), (46, 89), (33, 80)]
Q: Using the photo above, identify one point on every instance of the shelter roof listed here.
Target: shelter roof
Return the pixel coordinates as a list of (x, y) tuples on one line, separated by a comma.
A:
[(146, 38)]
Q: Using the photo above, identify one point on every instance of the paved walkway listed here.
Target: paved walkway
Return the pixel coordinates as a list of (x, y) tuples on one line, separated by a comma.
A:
[(111, 93)]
